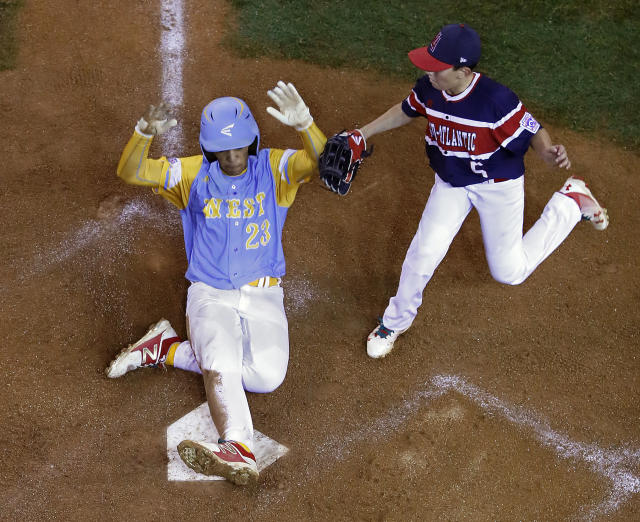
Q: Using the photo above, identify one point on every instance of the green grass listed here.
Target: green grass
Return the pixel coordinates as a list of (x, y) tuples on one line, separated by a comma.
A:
[(573, 63), (8, 46)]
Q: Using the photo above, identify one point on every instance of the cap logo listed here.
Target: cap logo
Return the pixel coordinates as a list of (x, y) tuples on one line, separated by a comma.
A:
[(227, 130), (435, 41)]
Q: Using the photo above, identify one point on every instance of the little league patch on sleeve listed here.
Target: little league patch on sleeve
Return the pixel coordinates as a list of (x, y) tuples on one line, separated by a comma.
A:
[(529, 123), (174, 173)]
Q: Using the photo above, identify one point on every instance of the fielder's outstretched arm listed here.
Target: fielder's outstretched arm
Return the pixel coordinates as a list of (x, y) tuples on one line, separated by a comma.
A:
[(393, 118)]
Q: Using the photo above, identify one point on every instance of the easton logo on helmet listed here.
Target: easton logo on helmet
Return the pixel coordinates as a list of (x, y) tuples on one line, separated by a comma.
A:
[(227, 130)]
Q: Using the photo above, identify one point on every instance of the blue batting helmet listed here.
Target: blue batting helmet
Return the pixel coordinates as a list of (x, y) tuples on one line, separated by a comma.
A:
[(227, 123)]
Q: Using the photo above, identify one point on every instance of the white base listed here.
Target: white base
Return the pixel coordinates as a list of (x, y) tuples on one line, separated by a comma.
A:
[(198, 426)]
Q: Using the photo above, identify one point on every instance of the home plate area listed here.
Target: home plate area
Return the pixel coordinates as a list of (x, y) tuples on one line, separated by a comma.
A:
[(198, 426)]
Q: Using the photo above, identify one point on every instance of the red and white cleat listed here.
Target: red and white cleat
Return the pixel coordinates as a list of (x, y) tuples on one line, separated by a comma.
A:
[(591, 210), (229, 459), (151, 350)]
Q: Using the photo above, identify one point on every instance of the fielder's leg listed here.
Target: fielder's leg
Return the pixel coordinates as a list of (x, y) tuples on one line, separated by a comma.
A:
[(444, 213), (512, 257)]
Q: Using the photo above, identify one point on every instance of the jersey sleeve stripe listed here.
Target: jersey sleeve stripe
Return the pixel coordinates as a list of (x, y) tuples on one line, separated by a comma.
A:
[(416, 104), (283, 166), (143, 156), (510, 128), (315, 150), (509, 139), (519, 108)]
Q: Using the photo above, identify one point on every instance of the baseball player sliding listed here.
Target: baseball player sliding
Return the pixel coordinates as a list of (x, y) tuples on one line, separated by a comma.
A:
[(233, 200), (477, 134)]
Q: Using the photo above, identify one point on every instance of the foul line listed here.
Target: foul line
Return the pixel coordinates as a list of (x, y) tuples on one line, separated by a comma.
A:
[(615, 464), (172, 51), (114, 234)]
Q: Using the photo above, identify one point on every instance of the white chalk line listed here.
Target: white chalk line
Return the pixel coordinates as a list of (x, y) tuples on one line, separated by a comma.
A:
[(113, 237), (613, 464), (616, 465), (172, 52), (300, 293), (115, 232)]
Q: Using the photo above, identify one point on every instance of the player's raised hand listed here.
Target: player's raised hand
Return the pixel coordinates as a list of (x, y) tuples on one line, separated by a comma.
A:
[(293, 111), (156, 121)]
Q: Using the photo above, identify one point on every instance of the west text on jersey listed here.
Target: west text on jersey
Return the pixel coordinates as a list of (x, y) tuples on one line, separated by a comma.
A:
[(235, 208)]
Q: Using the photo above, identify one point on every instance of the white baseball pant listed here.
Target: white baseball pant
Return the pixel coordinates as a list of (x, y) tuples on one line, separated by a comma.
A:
[(511, 257), (243, 336)]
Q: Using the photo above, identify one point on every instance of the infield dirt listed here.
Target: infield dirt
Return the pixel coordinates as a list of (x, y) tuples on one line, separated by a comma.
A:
[(89, 263)]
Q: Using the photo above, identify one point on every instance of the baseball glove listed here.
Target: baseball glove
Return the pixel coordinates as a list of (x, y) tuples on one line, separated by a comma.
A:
[(341, 158)]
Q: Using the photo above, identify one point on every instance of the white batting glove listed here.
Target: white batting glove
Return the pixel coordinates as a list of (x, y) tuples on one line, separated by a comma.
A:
[(293, 111), (156, 121)]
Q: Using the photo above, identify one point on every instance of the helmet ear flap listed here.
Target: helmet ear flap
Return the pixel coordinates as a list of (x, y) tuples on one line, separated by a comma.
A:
[(210, 156), (253, 148)]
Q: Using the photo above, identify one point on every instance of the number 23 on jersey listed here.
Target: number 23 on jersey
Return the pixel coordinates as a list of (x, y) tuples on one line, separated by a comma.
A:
[(258, 233)]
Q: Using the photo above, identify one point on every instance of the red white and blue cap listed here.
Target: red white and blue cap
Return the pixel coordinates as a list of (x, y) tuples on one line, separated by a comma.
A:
[(456, 45)]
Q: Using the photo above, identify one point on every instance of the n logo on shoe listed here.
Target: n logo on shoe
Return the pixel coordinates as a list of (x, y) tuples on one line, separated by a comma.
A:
[(151, 351), (149, 356)]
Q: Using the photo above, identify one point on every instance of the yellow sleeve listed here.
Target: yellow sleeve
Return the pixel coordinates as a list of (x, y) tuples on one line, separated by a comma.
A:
[(171, 178), (291, 168)]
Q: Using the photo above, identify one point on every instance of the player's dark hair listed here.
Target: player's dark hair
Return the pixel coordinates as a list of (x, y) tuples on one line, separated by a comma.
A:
[(457, 67), (211, 156), (253, 148)]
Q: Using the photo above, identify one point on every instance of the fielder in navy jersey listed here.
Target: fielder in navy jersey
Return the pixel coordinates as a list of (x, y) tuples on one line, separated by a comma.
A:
[(233, 198), (477, 134)]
